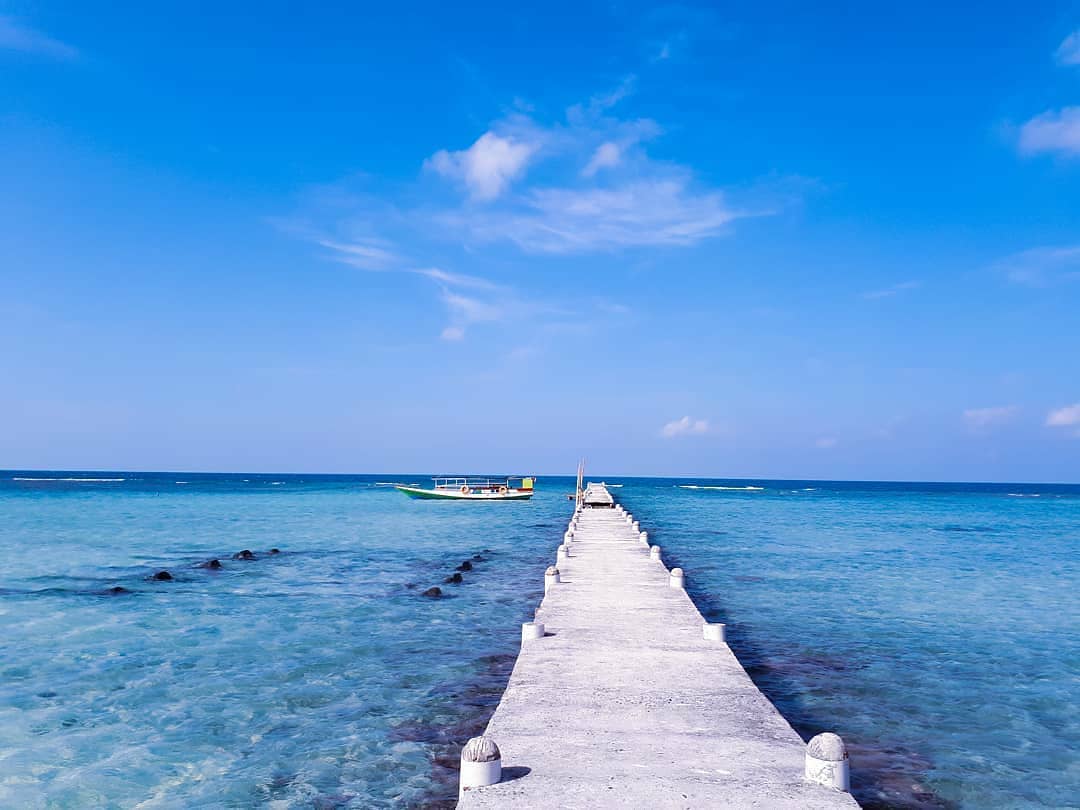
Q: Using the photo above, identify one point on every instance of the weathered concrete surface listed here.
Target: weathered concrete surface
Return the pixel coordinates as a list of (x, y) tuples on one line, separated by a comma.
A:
[(624, 704), (597, 495)]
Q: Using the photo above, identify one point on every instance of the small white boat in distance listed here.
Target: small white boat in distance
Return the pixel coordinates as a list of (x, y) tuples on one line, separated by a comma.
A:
[(475, 488)]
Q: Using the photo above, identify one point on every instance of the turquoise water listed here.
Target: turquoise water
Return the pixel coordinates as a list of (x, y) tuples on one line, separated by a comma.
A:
[(934, 627)]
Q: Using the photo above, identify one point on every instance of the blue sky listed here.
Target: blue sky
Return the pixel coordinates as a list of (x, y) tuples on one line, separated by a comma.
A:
[(754, 240)]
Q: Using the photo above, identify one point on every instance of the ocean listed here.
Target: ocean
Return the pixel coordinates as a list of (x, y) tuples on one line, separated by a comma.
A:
[(936, 627)]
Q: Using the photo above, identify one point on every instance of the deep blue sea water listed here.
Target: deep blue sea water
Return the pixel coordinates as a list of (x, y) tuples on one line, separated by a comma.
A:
[(935, 627)]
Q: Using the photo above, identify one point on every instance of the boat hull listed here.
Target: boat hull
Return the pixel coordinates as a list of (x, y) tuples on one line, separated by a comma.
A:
[(450, 495)]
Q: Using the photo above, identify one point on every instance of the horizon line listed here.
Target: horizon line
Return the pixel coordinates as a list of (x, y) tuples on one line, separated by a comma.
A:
[(547, 475)]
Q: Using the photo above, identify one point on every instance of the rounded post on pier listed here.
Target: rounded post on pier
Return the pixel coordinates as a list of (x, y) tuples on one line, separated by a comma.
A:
[(561, 553), (568, 537), (644, 538), (714, 631), (677, 579), (532, 630), (654, 553), (551, 577), (481, 764), (629, 518), (827, 761), (635, 526)]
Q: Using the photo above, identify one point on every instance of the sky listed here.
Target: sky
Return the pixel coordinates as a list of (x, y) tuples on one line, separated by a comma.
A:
[(741, 240)]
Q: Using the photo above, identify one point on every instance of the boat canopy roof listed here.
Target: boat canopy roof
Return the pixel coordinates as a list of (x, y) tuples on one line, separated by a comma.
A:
[(478, 480)]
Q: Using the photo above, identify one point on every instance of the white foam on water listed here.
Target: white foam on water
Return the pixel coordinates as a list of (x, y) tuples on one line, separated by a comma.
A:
[(88, 480), (730, 489)]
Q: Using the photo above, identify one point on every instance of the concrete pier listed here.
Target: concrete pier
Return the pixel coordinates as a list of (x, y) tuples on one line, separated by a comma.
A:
[(623, 696)]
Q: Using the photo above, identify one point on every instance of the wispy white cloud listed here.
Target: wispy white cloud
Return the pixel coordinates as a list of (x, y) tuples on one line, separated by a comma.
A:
[(607, 156), (1069, 416), (466, 311), (456, 279), (1042, 266), (826, 442), (982, 419), (684, 427), (889, 292), (1053, 131), (601, 102), (15, 36), (367, 255), (1068, 53), (621, 198), (640, 213), (600, 192), (488, 167)]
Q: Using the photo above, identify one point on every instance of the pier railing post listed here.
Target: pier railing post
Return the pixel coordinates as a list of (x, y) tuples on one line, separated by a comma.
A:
[(677, 580), (644, 538), (481, 764), (654, 553), (714, 631), (827, 761), (551, 577)]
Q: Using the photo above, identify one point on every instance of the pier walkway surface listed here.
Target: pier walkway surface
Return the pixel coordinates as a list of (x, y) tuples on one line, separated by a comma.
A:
[(623, 702)]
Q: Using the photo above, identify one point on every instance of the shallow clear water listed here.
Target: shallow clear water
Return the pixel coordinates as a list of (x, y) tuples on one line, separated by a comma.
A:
[(934, 627)]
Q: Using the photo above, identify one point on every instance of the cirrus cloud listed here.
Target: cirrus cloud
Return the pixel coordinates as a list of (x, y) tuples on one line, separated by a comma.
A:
[(981, 419), (684, 427), (1069, 416), (16, 36), (1068, 53), (1052, 131)]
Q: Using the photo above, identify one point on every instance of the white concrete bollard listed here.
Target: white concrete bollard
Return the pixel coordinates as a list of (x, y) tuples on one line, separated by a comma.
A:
[(714, 631), (654, 553), (481, 764), (827, 762), (677, 579), (629, 519), (644, 538), (531, 630), (635, 526), (551, 577), (561, 553), (568, 537)]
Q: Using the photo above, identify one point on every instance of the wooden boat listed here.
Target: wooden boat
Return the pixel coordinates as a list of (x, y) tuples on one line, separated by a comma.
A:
[(474, 488)]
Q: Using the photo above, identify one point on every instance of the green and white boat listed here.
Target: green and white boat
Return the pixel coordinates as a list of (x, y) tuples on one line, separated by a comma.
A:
[(474, 488)]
